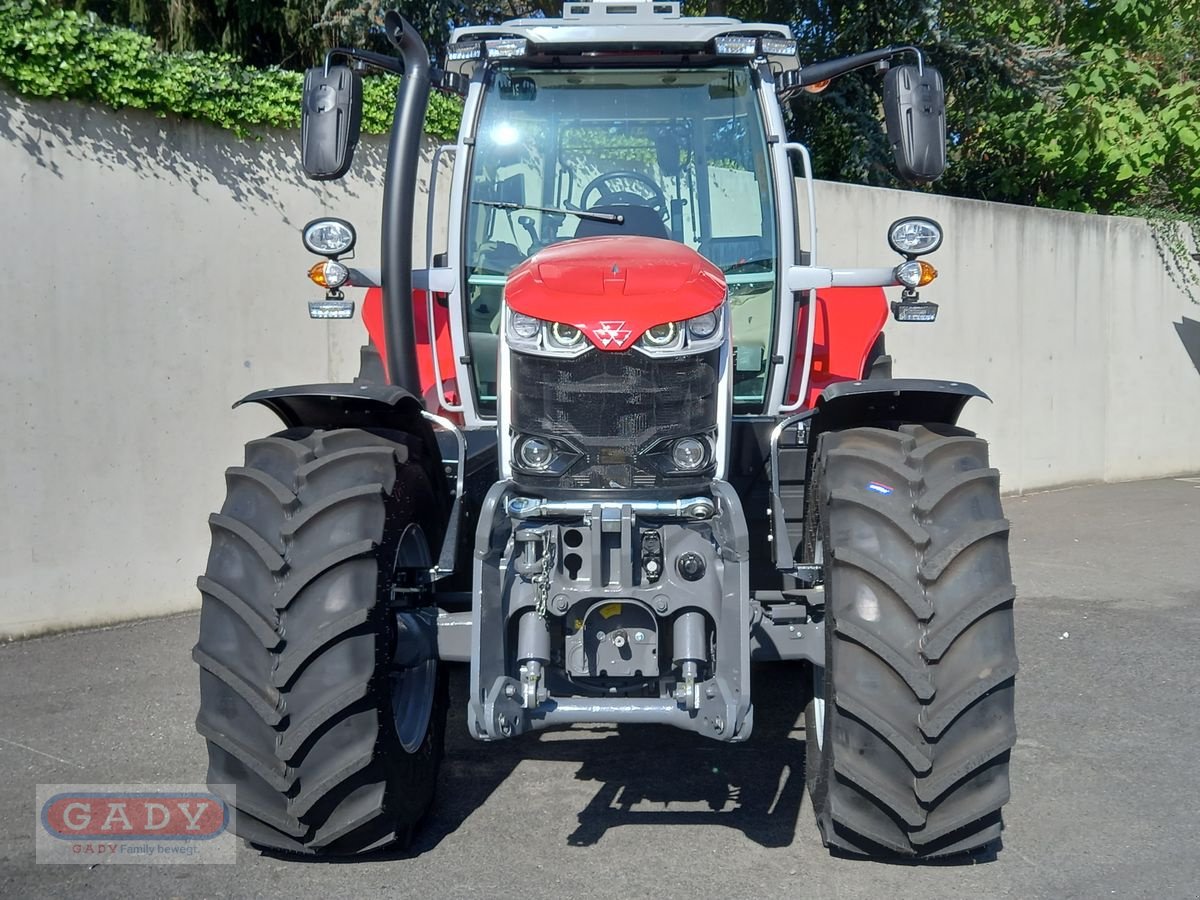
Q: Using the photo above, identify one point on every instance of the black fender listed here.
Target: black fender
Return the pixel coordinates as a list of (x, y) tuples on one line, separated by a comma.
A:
[(343, 406), (886, 402), (366, 406), (871, 402)]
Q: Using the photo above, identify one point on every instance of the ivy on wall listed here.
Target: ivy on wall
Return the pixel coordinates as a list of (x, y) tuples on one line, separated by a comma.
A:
[(51, 52)]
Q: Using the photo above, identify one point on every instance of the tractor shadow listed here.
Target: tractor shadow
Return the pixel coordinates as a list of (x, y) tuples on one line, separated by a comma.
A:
[(646, 775), (1189, 335)]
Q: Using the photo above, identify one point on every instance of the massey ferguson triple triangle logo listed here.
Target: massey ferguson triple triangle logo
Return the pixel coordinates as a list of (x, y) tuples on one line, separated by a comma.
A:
[(611, 333)]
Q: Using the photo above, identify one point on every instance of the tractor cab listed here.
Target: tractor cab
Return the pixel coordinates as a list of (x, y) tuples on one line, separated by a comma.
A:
[(672, 153), (620, 120)]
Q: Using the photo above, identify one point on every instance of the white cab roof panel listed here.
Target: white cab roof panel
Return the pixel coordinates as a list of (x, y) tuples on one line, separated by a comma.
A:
[(617, 23)]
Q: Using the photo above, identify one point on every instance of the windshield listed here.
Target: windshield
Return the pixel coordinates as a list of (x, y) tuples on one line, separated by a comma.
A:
[(678, 154)]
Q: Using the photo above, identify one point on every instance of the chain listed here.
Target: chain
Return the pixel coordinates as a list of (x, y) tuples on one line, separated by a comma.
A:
[(541, 581)]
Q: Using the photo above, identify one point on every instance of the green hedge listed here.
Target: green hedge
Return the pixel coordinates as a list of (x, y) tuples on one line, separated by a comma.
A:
[(51, 52)]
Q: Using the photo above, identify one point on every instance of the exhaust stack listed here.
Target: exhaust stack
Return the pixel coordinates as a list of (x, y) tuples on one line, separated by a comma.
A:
[(399, 193)]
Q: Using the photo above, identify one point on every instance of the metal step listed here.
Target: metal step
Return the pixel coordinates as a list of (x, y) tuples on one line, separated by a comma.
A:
[(789, 486)]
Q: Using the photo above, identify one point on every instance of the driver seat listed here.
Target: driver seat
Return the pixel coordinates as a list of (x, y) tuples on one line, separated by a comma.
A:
[(639, 220)]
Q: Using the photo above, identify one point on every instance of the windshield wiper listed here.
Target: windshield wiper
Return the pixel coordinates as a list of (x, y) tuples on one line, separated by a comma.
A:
[(614, 218)]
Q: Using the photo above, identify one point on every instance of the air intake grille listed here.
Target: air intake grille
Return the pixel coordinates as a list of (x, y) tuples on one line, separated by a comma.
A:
[(612, 407)]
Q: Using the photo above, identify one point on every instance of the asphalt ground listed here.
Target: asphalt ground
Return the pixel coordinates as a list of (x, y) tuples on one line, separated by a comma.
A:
[(1106, 772)]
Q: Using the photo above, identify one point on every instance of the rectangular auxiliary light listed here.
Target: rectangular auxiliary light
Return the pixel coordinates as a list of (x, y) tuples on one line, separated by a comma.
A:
[(331, 309), (736, 45), (464, 50), (773, 46), (507, 48), (913, 311)]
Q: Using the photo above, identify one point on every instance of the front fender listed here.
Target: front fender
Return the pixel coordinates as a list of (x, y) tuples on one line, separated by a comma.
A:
[(890, 401), (371, 407), (343, 406)]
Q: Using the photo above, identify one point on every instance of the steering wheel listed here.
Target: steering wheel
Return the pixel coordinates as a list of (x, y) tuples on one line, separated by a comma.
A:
[(611, 191)]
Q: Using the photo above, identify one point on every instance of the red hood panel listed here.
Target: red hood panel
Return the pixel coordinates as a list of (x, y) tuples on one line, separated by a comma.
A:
[(614, 288)]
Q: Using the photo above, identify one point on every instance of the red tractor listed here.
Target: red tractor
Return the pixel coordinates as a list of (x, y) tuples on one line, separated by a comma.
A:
[(625, 437)]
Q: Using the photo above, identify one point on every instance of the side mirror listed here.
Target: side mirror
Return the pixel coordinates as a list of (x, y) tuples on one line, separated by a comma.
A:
[(330, 120), (914, 106)]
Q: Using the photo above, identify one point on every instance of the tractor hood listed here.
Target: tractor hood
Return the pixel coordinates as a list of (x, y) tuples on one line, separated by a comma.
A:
[(614, 288)]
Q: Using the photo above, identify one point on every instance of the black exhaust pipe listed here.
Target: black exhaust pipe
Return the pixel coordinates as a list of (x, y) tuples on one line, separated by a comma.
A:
[(399, 195)]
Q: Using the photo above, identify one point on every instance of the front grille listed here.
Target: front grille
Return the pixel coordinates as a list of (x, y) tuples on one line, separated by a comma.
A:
[(612, 407)]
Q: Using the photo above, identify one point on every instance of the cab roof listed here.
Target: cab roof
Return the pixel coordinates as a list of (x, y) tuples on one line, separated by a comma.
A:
[(595, 26)]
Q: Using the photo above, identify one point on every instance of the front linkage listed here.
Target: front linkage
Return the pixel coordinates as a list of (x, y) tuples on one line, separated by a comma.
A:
[(583, 595)]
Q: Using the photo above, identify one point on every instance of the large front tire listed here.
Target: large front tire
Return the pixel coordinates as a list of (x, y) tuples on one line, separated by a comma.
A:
[(331, 748), (911, 725)]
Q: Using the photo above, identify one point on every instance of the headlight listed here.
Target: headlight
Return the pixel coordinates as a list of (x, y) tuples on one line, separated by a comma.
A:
[(735, 45), (703, 327), (523, 332), (524, 326), (914, 236), (695, 335), (688, 453), (565, 336), (538, 455), (328, 237), (661, 335), (529, 334), (535, 453)]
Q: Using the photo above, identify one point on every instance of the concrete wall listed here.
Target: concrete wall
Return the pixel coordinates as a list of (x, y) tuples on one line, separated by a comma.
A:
[(155, 275), (1070, 322)]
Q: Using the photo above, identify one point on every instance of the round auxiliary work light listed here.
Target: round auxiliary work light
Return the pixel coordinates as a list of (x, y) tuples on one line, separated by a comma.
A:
[(704, 326), (914, 236), (688, 453), (566, 335), (535, 453), (661, 335), (524, 326), (328, 237)]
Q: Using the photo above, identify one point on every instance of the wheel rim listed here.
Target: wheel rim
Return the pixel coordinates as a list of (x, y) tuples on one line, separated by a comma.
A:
[(818, 705), (412, 703), (413, 686), (818, 685)]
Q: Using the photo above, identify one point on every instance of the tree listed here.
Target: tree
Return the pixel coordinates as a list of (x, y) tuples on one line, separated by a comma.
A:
[(1114, 129), (296, 33), (259, 32), (1079, 104), (1074, 104)]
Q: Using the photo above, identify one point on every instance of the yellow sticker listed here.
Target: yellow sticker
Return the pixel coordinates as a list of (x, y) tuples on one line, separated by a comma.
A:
[(612, 609), (578, 624)]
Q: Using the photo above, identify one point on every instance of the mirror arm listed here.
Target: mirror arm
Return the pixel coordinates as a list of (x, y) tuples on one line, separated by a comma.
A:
[(378, 60), (440, 79), (824, 71)]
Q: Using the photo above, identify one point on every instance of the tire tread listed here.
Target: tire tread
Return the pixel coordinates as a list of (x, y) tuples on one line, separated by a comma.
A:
[(923, 772), (287, 597)]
